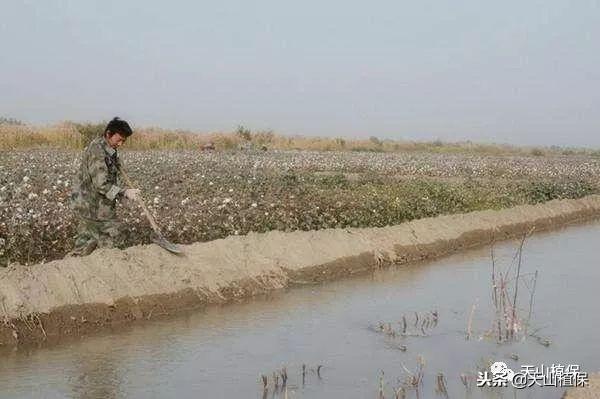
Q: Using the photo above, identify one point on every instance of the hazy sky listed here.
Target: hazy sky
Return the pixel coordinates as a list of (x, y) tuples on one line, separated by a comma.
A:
[(525, 72)]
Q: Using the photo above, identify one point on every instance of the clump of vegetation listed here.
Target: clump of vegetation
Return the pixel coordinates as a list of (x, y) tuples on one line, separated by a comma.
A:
[(415, 325), (512, 294), (243, 133), (537, 152), (10, 121), (509, 324), (278, 383), (89, 131)]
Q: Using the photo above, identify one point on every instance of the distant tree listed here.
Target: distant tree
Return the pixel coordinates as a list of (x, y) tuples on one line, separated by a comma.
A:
[(10, 121)]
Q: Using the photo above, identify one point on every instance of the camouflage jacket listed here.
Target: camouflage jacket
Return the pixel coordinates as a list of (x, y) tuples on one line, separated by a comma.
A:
[(98, 183)]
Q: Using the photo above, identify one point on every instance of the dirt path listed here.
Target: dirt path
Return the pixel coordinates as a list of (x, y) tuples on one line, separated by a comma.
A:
[(75, 296)]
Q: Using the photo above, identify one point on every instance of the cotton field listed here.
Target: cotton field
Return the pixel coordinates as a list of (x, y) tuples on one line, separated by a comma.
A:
[(199, 196)]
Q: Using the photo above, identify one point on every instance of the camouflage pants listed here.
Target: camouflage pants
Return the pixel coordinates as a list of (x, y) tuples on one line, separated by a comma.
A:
[(92, 234)]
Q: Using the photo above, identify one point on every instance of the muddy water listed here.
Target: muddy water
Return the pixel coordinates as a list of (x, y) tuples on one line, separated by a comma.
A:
[(221, 351)]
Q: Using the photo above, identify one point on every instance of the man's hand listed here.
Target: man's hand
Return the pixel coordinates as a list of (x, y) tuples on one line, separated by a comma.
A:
[(131, 193)]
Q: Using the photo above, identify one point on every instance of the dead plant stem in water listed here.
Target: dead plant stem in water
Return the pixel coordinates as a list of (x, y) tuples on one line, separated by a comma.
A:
[(470, 323), (531, 301), (505, 295)]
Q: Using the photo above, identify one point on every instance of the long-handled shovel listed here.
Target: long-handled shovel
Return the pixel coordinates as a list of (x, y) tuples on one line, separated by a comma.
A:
[(160, 239)]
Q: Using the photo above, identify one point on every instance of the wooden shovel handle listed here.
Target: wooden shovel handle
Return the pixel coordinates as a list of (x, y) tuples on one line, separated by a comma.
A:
[(140, 201)]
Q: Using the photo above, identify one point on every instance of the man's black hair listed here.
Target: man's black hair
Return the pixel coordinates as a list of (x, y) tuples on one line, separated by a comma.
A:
[(120, 126)]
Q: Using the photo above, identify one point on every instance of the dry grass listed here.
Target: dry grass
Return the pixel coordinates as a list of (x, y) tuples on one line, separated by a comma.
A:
[(23, 136), (70, 135)]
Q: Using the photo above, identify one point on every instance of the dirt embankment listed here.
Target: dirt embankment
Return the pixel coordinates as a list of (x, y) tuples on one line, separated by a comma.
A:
[(76, 296)]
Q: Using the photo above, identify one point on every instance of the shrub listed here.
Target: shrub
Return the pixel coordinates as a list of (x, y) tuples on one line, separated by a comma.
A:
[(243, 133), (537, 152), (89, 131)]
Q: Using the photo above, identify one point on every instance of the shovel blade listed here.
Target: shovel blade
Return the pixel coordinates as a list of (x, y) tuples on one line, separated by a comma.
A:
[(169, 246)]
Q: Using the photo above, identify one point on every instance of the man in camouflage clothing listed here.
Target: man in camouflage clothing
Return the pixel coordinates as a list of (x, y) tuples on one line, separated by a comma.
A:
[(98, 187)]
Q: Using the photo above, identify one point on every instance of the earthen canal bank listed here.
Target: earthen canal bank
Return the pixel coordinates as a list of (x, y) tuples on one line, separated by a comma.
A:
[(76, 296)]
